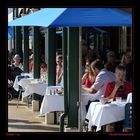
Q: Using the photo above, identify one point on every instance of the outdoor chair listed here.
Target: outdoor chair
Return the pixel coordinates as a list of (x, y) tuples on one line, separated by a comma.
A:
[(128, 118)]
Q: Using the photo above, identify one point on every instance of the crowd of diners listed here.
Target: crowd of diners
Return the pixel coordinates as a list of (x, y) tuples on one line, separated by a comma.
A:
[(107, 76), (104, 74)]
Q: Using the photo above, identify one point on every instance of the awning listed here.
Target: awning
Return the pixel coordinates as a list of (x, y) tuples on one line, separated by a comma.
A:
[(75, 17), (42, 17)]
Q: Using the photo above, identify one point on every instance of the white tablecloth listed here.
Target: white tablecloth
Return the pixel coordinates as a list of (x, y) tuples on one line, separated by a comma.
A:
[(84, 101), (52, 103), (99, 114), (24, 82), (16, 85), (38, 88), (129, 98)]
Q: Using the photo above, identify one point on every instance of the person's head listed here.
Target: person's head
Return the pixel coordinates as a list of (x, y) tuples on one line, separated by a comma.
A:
[(88, 65), (43, 67), (59, 60), (120, 72), (108, 66), (97, 66), (17, 58), (126, 58), (110, 56)]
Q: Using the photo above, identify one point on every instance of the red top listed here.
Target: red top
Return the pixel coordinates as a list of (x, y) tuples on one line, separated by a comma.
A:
[(87, 82), (31, 66), (127, 88)]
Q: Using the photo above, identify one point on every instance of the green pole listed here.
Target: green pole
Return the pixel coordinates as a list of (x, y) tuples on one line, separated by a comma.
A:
[(14, 16), (36, 52), (18, 36), (73, 75), (26, 49), (64, 49), (18, 41), (51, 44)]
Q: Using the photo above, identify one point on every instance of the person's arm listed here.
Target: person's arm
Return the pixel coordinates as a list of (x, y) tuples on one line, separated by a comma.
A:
[(59, 77), (99, 82), (111, 94), (90, 90)]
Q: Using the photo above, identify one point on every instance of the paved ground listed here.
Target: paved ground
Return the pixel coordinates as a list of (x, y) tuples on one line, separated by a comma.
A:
[(23, 119)]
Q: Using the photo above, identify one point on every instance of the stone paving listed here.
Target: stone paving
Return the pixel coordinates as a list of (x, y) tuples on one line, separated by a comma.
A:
[(23, 119)]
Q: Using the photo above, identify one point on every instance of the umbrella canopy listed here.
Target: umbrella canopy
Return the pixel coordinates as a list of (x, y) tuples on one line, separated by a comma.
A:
[(75, 17)]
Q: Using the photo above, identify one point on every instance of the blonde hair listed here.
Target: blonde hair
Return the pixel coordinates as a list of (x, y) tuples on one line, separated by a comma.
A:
[(16, 57), (92, 76)]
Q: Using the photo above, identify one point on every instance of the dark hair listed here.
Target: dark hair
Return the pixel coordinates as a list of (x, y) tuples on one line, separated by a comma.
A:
[(121, 67), (97, 64)]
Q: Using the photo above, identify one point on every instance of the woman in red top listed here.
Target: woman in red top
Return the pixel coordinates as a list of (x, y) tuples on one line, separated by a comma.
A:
[(119, 87), (88, 78)]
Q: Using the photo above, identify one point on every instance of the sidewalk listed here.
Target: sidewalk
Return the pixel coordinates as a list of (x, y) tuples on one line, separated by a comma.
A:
[(23, 119)]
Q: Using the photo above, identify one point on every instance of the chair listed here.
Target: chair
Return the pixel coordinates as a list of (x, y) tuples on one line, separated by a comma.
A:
[(20, 88), (128, 118)]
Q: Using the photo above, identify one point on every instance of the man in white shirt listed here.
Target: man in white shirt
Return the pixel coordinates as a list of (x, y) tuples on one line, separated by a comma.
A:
[(102, 79)]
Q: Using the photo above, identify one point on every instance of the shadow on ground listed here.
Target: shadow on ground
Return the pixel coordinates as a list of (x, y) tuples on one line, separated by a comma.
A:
[(38, 127), (14, 104), (24, 121)]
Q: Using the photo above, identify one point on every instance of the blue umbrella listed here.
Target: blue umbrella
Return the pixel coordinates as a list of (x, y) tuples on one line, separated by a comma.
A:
[(75, 17)]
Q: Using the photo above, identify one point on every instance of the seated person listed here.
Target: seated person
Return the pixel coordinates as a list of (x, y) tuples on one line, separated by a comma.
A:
[(120, 87), (88, 78), (127, 62), (43, 68), (17, 62), (111, 61), (16, 68), (102, 79)]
